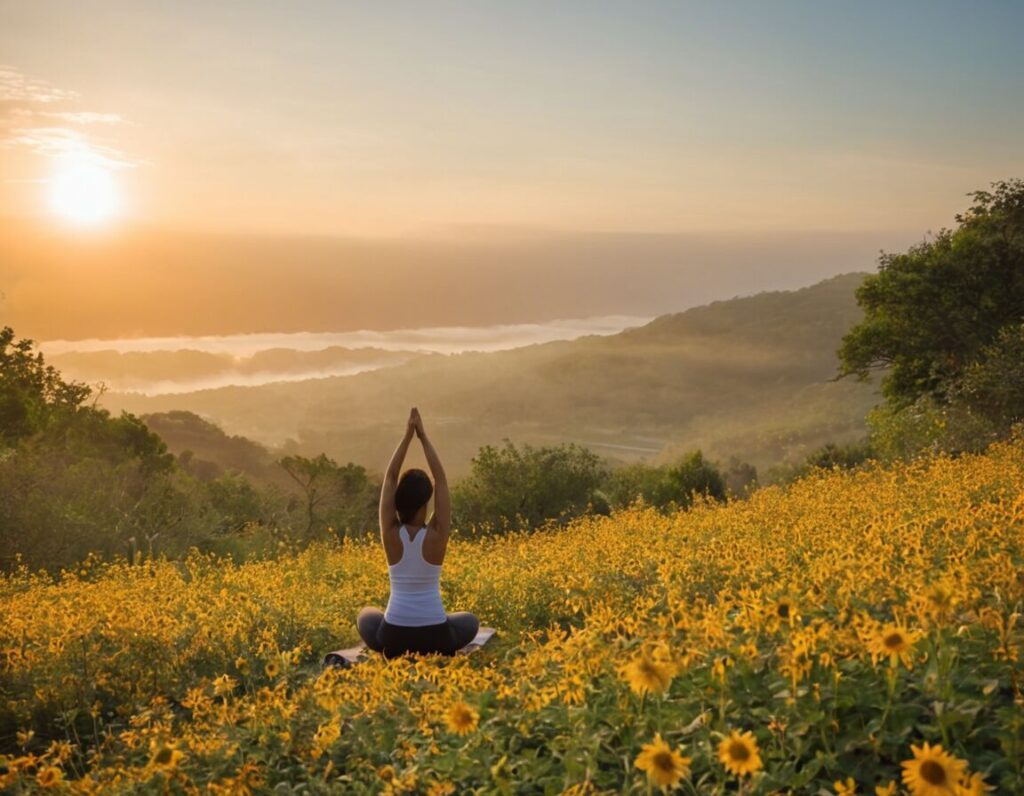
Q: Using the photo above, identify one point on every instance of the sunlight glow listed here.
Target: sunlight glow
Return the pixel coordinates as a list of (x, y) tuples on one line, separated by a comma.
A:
[(84, 192)]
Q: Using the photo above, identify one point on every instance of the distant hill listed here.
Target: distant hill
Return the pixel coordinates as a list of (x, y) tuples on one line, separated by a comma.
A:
[(746, 377), (207, 452)]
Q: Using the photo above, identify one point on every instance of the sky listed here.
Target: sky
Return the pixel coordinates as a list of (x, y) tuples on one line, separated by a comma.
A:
[(486, 124)]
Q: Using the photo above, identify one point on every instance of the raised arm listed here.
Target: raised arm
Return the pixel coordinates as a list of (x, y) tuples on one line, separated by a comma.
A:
[(442, 518), (387, 489)]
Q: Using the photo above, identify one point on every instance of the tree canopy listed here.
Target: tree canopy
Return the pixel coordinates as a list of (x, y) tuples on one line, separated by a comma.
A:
[(527, 486), (930, 312)]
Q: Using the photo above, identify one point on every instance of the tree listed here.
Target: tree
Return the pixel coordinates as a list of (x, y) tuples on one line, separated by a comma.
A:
[(845, 457), (527, 486), (930, 312), (73, 479), (994, 385), (740, 476), (693, 474), (639, 480), (31, 392), (339, 496), (240, 504), (671, 486)]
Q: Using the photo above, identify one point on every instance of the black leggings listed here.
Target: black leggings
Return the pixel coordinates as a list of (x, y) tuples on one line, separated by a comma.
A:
[(453, 634)]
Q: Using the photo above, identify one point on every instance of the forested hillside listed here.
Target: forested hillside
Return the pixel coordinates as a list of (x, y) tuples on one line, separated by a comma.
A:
[(747, 377)]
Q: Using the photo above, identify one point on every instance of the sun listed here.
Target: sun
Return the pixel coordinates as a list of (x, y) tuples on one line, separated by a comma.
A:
[(84, 192)]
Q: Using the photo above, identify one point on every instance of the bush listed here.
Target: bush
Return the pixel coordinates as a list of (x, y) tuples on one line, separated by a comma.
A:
[(512, 487), (672, 486)]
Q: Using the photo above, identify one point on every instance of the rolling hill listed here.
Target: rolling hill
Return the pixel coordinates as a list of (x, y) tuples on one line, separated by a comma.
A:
[(747, 377)]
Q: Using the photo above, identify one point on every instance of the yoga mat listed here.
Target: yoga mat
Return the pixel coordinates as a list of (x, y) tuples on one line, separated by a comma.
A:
[(352, 655)]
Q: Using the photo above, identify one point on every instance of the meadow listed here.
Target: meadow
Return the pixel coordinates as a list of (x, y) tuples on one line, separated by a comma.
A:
[(852, 632)]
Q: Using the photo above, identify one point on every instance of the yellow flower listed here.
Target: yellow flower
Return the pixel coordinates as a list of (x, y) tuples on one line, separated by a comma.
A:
[(440, 789), (886, 790), (739, 753), (326, 734), (664, 766), (224, 685), (932, 772), (49, 777), (164, 755), (386, 772), (272, 668), (940, 597), (645, 673), (847, 788), (785, 609), (242, 665), (973, 785), (462, 718), (895, 642)]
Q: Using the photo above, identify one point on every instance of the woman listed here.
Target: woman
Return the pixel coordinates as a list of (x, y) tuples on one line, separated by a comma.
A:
[(415, 619)]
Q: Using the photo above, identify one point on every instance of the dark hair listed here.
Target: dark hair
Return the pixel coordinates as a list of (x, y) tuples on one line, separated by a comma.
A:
[(414, 490)]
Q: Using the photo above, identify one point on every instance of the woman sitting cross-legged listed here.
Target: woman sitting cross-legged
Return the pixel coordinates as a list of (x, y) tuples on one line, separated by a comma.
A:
[(415, 619)]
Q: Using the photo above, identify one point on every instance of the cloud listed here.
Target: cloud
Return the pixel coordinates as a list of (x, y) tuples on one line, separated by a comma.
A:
[(49, 121), (86, 117), (436, 339), (19, 88), (251, 360)]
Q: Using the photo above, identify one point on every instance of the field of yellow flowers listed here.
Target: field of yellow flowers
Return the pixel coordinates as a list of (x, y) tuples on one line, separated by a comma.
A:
[(851, 633)]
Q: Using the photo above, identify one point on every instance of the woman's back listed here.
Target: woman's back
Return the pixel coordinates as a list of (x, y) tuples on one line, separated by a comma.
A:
[(415, 619), (415, 599)]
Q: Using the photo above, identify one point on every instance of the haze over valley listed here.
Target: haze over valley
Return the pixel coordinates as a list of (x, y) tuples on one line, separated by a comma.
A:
[(747, 377)]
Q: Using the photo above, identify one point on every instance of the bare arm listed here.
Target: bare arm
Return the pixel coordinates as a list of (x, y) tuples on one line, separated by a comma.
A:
[(442, 519), (387, 490)]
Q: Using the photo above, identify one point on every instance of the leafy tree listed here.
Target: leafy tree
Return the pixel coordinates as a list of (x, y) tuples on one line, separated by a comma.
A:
[(639, 480), (994, 385), (984, 405), (671, 486), (338, 496), (740, 477), (930, 312), (240, 504), (527, 486), (31, 392), (846, 457), (694, 474), (75, 480)]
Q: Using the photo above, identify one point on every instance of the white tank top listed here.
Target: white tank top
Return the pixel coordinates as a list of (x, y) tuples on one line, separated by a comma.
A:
[(415, 599)]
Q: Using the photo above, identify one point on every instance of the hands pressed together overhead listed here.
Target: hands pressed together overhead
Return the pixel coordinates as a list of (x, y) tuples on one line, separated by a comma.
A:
[(415, 425)]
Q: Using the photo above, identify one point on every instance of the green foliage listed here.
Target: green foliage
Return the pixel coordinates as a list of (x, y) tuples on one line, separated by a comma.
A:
[(984, 405), (527, 486), (58, 503), (672, 486), (994, 386), (931, 311), (340, 497), (845, 457), (631, 481), (740, 477), (76, 481), (693, 474), (32, 393), (240, 504)]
